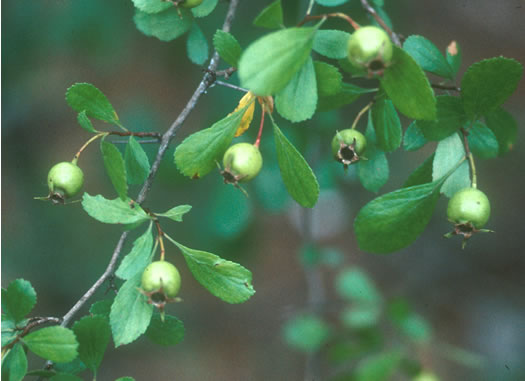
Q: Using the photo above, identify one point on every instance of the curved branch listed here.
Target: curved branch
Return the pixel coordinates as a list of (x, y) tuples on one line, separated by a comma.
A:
[(395, 38)]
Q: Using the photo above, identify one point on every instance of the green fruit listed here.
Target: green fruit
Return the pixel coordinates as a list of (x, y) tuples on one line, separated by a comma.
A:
[(161, 275), (242, 162), (370, 48), (469, 205), (191, 3), (65, 180), (348, 145)]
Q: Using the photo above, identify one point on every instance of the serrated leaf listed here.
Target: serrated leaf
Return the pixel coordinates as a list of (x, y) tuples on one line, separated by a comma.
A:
[(379, 367), (454, 57), (285, 53), (113, 211), (413, 138), (488, 83), (176, 213), (450, 118), (130, 313), (93, 334), (197, 45), (196, 156), (115, 168), (57, 344), (428, 56), (152, 6), (422, 174), (348, 94), (448, 153), (206, 7), (167, 332), (331, 43), (14, 364), (9, 331), (387, 125), (138, 258), (298, 100), (18, 299), (226, 280), (373, 172), (394, 220), (298, 177), (356, 286), (102, 307), (408, 87), (72, 367), (86, 97), (504, 127), (166, 25), (270, 17), (306, 333), (482, 141), (329, 79), (85, 123), (330, 3), (227, 46), (136, 162)]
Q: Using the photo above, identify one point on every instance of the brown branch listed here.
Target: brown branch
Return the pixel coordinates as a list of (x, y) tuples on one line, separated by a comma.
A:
[(33, 323), (326, 15), (137, 134), (395, 38)]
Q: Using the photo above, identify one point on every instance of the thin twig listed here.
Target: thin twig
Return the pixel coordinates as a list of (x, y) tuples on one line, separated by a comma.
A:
[(445, 87), (395, 38), (226, 84), (33, 323)]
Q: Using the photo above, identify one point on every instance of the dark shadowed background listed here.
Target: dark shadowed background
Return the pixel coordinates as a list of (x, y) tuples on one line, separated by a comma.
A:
[(474, 298)]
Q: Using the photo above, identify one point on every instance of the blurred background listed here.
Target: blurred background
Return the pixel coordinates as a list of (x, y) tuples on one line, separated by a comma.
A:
[(473, 299)]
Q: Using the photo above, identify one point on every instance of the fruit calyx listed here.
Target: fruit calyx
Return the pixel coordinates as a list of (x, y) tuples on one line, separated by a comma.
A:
[(348, 146)]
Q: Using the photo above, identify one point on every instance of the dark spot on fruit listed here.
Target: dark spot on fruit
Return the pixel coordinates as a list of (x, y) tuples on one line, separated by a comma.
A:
[(376, 65), (347, 153)]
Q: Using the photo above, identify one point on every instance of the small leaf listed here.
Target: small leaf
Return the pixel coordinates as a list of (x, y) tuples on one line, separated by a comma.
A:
[(85, 123), (86, 97), (206, 7), (72, 367), (57, 344), (14, 364), (348, 94), (374, 172), (136, 162), (9, 331), (448, 153), (331, 43), (410, 323), (482, 141), (488, 83), (413, 138), (113, 211), (93, 334), (152, 6), (196, 45), (407, 86), (115, 168), (330, 3), (329, 79), (196, 156), (176, 213), (228, 47), (450, 118), (387, 125), (504, 127), (454, 57), (229, 213), (356, 286), (166, 25), (167, 332), (422, 174), (130, 313), (270, 17), (18, 300), (298, 100), (297, 175), (138, 258), (285, 53), (306, 333), (379, 367), (428, 56), (361, 316), (102, 307), (226, 280)]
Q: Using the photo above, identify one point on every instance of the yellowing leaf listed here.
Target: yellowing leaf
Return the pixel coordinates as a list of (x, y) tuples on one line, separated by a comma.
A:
[(248, 98)]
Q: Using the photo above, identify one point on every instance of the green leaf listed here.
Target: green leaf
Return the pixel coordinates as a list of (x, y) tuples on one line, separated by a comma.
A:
[(329, 79), (285, 53), (113, 211), (19, 299), (297, 175), (205, 8), (228, 47), (482, 141), (130, 313), (361, 316), (14, 364), (9, 331), (487, 84), (197, 46), (226, 280), (306, 333), (454, 57), (136, 162), (448, 153), (410, 323), (450, 118), (85, 123), (166, 25), (407, 86), (330, 3), (379, 367), (102, 307), (138, 258), (356, 286), (127, 378), (176, 213), (72, 367), (422, 174), (298, 100), (167, 332), (198, 154), (331, 43), (229, 213), (414, 138), (57, 344), (374, 172), (394, 220), (348, 94), (270, 17), (86, 97), (504, 127), (428, 56), (93, 334), (152, 6), (387, 125), (115, 168)]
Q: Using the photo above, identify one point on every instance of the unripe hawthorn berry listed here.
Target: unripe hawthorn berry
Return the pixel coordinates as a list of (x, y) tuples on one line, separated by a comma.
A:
[(160, 281), (242, 162), (469, 205), (191, 3), (348, 146), (64, 180), (370, 48)]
